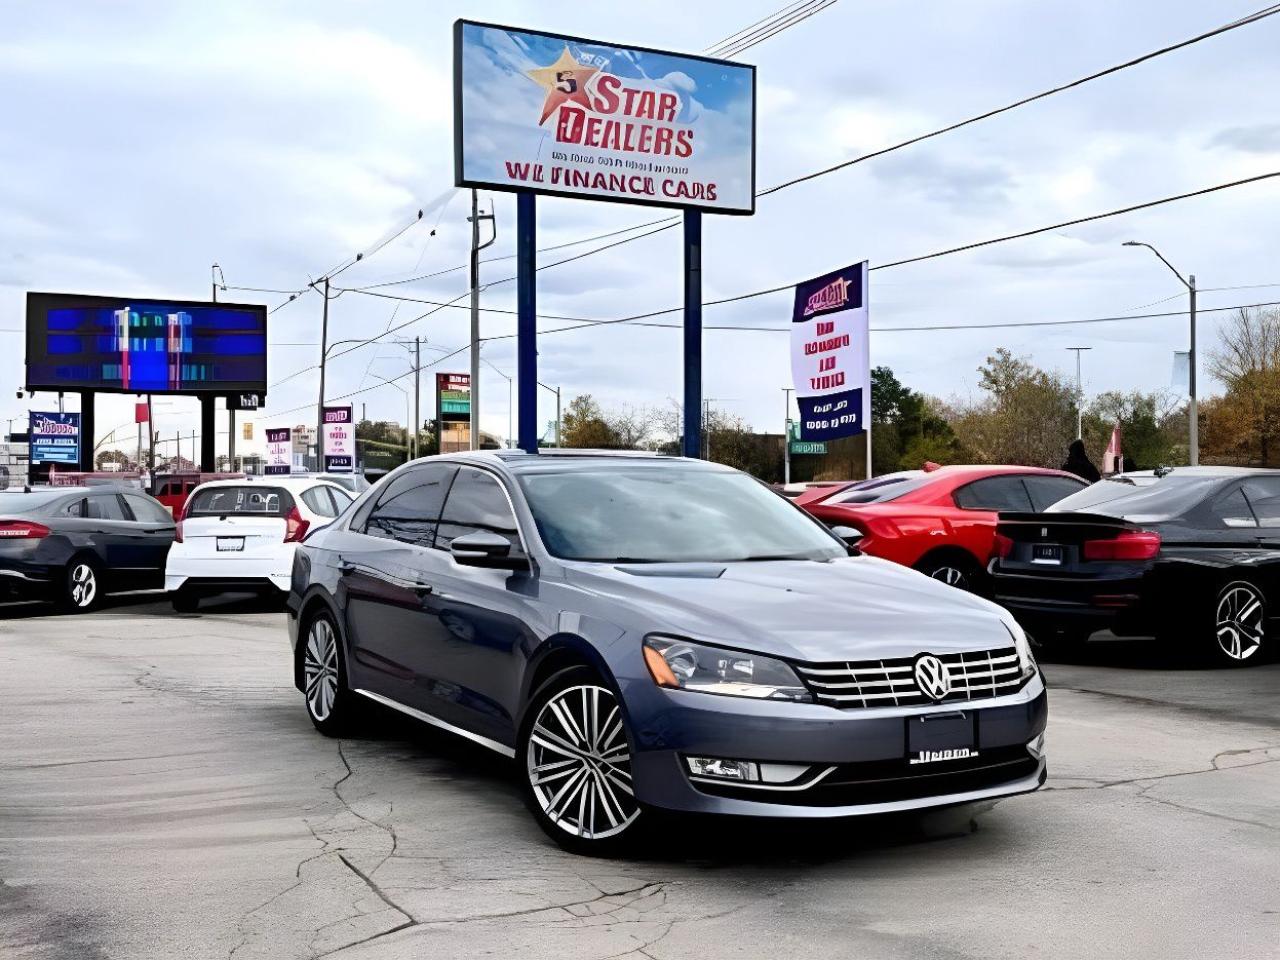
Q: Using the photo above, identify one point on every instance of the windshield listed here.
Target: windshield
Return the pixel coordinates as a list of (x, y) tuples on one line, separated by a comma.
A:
[(647, 515), (1164, 499)]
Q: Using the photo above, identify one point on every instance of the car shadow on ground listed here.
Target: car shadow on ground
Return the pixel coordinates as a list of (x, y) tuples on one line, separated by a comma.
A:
[(719, 842), (1134, 653)]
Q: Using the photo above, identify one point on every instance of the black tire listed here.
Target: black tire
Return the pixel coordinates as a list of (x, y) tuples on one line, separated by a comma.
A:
[(585, 804), (184, 601), (954, 569), (330, 703), (1239, 625), (81, 585)]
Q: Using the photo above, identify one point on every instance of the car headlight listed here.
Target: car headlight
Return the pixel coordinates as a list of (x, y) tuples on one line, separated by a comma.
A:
[(1021, 646), (684, 665)]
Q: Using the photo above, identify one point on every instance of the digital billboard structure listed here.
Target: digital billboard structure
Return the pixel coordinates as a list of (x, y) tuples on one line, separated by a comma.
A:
[(143, 345), (560, 115)]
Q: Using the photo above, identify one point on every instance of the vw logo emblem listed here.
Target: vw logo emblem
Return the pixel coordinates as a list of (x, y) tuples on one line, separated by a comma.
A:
[(932, 677)]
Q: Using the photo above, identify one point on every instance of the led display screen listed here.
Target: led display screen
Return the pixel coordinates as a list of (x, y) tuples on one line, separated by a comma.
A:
[(123, 345)]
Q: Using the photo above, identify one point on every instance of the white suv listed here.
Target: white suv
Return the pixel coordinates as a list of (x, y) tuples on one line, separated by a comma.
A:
[(240, 535)]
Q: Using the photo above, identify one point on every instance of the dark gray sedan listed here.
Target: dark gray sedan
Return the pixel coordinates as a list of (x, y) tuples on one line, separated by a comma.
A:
[(651, 632), (71, 545)]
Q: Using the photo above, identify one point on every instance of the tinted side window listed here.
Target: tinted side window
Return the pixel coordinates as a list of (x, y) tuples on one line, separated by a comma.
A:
[(104, 506), (409, 508), (341, 499), (146, 510), (318, 502), (994, 493), (477, 502), (1046, 491), (1232, 510), (1264, 497)]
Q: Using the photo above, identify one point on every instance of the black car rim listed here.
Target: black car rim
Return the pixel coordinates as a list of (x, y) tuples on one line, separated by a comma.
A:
[(579, 764), (320, 669), (1240, 621), (84, 585), (951, 576)]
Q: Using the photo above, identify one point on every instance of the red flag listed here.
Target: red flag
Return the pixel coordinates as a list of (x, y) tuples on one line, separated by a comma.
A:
[(1113, 459), (140, 413)]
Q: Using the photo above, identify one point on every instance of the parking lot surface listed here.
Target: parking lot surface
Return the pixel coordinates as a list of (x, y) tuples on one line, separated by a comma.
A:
[(162, 794)]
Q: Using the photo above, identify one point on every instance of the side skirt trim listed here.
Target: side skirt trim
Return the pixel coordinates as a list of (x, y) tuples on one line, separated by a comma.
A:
[(494, 745)]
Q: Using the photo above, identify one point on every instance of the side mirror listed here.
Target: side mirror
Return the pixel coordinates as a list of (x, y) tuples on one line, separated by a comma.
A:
[(850, 536), (485, 549)]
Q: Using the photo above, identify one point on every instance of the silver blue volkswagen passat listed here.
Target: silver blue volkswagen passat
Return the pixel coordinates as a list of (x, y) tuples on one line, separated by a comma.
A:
[(645, 632)]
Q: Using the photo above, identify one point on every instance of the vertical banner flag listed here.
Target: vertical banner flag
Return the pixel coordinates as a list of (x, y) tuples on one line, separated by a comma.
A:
[(279, 451), (830, 354), (339, 440), (55, 438), (1113, 459)]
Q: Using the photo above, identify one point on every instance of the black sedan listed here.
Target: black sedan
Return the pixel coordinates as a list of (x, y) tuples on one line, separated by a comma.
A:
[(1191, 556), (73, 544)]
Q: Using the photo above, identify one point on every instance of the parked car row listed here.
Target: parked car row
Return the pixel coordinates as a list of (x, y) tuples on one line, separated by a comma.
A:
[(74, 545)]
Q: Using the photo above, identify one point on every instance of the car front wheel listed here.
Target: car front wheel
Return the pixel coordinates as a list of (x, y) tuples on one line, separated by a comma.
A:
[(1240, 618), (575, 755)]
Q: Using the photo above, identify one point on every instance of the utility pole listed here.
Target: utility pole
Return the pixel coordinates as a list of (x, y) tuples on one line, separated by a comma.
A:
[(1189, 282), (1079, 393), (786, 435), (417, 395), (324, 350), (151, 446), (476, 247)]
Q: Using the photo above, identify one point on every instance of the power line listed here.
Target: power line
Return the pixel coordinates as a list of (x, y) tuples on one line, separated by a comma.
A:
[(930, 256), (783, 21)]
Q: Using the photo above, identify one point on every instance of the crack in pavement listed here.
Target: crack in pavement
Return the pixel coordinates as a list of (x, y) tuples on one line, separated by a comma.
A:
[(1212, 768), (1220, 715)]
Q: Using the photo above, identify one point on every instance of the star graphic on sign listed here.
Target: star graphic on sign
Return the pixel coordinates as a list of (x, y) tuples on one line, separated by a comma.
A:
[(565, 82)]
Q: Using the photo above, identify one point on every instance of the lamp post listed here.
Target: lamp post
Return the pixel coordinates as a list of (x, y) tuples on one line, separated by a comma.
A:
[(1079, 394), (786, 435), (1192, 411)]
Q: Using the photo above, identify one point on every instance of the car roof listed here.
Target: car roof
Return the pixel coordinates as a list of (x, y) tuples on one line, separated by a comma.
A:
[(288, 482), (575, 460)]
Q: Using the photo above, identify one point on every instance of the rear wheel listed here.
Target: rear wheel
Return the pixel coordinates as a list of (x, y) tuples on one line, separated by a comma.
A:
[(1240, 617), (955, 570), (330, 704), (82, 585), (575, 755)]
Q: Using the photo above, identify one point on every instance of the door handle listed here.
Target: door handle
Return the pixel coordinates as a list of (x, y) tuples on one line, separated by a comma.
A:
[(346, 567)]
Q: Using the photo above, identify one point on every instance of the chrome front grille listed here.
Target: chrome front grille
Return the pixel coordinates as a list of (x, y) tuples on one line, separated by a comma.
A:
[(975, 675)]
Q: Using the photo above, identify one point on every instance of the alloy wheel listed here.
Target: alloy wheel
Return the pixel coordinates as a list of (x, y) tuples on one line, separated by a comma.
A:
[(951, 576), (1240, 621), (84, 585), (320, 669), (579, 763)]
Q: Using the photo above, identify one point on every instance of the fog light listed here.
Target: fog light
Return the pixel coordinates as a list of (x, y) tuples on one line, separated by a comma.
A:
[(741, 770)]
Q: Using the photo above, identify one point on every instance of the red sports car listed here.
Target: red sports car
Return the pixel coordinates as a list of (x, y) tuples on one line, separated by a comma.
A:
[(940, 521)]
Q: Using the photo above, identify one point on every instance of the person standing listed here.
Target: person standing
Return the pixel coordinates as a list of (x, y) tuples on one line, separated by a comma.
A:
[(1078, 462)]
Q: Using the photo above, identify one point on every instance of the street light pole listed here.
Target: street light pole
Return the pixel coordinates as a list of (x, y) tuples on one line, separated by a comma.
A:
[(476, 247), (1079, 394), (1192, 407), (417, 395)]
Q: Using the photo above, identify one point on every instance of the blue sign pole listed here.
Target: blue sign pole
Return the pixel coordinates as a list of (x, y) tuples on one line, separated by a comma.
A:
[(527, 321), (692, 333)]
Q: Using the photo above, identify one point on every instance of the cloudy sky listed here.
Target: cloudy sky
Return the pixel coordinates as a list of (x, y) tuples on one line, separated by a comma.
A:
[(143, 141)]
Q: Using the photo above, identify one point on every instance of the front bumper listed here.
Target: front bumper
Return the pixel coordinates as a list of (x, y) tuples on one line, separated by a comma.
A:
[(858, 758)]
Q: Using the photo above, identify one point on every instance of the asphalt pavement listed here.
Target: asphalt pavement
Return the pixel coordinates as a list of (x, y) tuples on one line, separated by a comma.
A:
[(162, 795)]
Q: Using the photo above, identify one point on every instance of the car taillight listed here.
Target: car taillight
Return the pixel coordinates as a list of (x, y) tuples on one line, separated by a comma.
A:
[(22, 530), (1127, 545), (1002, 546), (295, 527), (177, 530)]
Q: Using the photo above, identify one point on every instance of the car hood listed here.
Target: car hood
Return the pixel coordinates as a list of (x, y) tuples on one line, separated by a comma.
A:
[(860, 608)]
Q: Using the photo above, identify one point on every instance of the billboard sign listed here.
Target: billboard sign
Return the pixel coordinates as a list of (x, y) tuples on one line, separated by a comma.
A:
[(279, 451), (55, 438), (142, 345), (453, 397), (581, 118), (830, 354), (339, 440)]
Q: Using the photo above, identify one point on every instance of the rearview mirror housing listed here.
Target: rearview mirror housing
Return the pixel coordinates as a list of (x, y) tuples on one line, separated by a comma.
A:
[(850, 536), (485, 549)]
